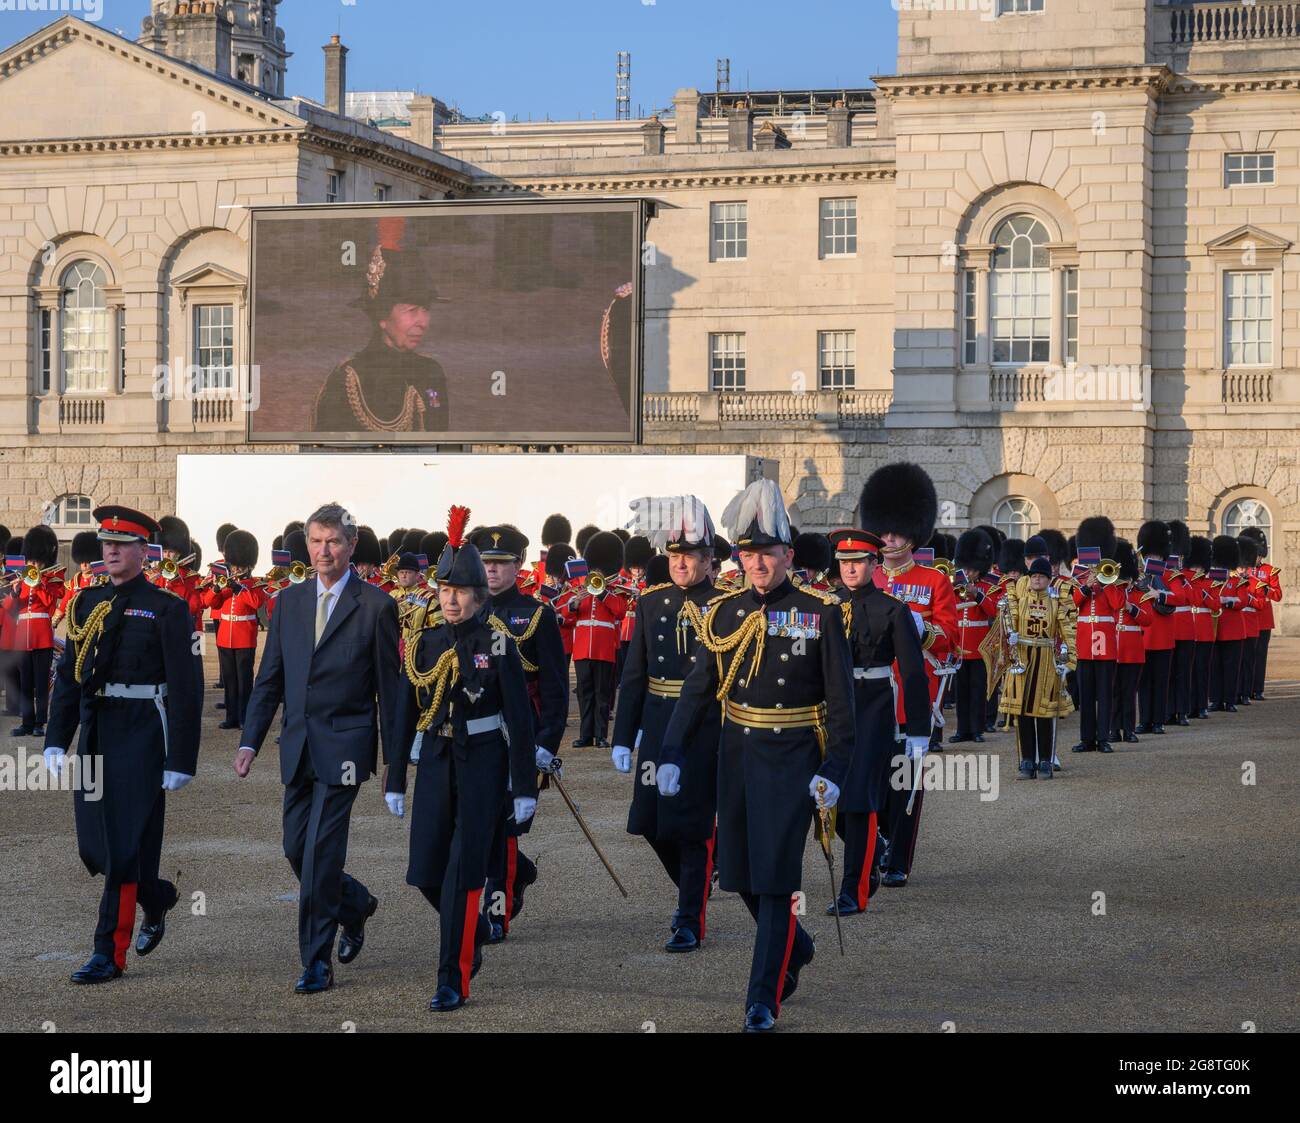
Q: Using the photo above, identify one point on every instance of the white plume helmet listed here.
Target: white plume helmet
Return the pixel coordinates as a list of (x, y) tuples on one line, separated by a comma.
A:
[(760, 503), (668, 519)]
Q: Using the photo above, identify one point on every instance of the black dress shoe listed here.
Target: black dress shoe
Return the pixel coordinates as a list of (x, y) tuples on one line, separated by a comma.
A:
[(1105, 747), (791, 982), (228, 725), (153, 929), (38, 731), (894, 879), (496, 932), (1218, 708), (444, 999), (1157, 729), (1045, 770), (97, 969), (602, 743), (1228, 707), (580, 743), (517, 902), (1116, 735), (22, 731), (990, 727), (759, 1019), (319, 976), (1202, 714), (978, 738), (1143, 727), (1027, 770), (352, 939), (1130, 739), (1258, 696), (958, 738), (1243, 701), (1181, 719), (848, 906), (682, 939), (1084, 747)]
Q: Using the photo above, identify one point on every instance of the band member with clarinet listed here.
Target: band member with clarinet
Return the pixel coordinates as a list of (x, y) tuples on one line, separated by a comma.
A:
[(663, 650), (777, 659), (976, 611), (899, 505), (1099, 603), (1041, 640), (33, 597), (128, 678), (1271, 583), (882, 635), (535, 631), (465, 721)]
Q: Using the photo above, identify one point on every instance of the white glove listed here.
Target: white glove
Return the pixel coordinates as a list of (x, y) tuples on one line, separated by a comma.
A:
[(543, 759), (668, 778), (829, 798), (54, 759), (174, 781), (919, 620), (917, 747), (1227, 600), (1013, 638), (396, 803), (622, 757), (524, 808)]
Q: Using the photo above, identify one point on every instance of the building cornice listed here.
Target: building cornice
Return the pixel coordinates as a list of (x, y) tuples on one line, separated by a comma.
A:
[(62, 146), (666, 181), (1152, 79), (1185, 85), (375, 151)]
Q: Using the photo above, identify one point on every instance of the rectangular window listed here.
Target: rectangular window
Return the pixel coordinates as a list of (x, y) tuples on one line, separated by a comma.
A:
[(334, 187), (970, 328), (1070, 285), (382, 192), (839, 227), (121, 350), (1247, 169), (729, 231), (214, 346), (837, 359), (1248, 319), (47, 349), (726, 361), (1022, 319), (1011, 7), (87, 339)]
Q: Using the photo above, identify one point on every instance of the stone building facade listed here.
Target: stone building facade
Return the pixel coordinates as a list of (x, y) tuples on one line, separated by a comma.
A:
[(1052, 257)]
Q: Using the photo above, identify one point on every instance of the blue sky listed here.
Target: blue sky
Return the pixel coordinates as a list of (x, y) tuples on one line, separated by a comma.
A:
[(557, 57)]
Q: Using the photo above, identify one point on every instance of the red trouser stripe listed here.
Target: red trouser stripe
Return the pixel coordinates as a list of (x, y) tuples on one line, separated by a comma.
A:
[(864, 879), (467, 939), (125, 922), (708, 877), (785, 959), (512, 870)]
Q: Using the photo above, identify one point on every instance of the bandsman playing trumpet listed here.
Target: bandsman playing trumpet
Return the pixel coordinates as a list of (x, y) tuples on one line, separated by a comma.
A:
[(595, 610), (174, 572), (976, 610), (1099, 603), (236, 598), (85, 553), (1131, 653), (34, 595)]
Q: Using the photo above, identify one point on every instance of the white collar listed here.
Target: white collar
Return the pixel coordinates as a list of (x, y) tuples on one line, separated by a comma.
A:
[(337, 588)]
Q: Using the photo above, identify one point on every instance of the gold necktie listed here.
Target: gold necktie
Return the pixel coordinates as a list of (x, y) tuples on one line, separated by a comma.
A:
[(322, 614)]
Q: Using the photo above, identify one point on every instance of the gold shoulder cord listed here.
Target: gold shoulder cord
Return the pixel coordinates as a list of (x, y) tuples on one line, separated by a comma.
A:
[(824, 597), (499, 625), (411, 404), (83, 638), (441, 677), (846, 610), (753, 630), (656, 588)]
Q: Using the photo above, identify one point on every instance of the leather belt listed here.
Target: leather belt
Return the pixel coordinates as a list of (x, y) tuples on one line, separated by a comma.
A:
[(872, 672), (665, 688), (776, 719)]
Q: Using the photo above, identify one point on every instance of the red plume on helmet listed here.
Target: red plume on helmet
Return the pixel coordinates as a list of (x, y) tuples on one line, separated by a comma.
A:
[(391, 231), (457, 520)]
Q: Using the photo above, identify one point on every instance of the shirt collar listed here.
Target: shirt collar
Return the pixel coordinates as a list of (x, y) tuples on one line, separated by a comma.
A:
[(337, 588)]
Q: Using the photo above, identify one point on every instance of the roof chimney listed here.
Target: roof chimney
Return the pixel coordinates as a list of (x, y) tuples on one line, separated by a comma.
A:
[(336, 76)]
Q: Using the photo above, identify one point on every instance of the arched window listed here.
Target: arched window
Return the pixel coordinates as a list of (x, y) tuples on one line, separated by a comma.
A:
[(1021, 292), (71, 511), (85, 329), (1017, 517), (1247, 512)]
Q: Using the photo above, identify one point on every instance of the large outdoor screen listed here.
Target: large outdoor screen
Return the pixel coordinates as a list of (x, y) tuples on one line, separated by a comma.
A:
[(447, 322)]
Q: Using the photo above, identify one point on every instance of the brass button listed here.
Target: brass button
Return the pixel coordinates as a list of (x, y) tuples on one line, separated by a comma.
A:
[(661, 658), (780, 682), (785, 657), (660, 636), (746, 729), (740, 612), (692, 658), (663, 619), (777, 729)]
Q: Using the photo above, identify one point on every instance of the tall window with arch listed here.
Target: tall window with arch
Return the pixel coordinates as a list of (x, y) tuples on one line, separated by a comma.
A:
[(1020, 292), (1017, 517), (1241, 513), (85, 329)]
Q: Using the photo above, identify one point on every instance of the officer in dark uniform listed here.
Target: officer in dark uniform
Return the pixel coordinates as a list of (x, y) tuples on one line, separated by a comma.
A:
[(465, 721), (780, 664), (128, 678), (535, 631), (663, 650), (881, 631), (388, 387)]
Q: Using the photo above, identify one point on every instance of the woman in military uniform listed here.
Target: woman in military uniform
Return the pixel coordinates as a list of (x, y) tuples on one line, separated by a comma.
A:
[(1040, 633)]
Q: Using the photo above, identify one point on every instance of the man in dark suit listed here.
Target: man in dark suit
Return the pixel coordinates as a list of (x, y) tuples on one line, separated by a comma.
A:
[(331, 657)]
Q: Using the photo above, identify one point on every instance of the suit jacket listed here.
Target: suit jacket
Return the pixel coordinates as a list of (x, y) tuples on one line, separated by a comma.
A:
[(339, 694)]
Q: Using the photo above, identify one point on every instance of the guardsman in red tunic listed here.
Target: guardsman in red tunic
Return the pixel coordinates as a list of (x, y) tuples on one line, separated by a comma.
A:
[(1230, 625), (85, 553), (174, 537), (977, 608), (1205, 603), (32, 599), (556, 531), (237, 599), (555, 592), (1153, 686), (1271, 583), (367, 557), (899, 505), (637, 553), (1135, 619), (596, 614), (1096, 634), (1255, 598), (1178, 579)]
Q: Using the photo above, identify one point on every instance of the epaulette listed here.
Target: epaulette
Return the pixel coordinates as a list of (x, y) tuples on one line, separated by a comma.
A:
[(825, 598), (164, 589), (722, 596), (656, 588)]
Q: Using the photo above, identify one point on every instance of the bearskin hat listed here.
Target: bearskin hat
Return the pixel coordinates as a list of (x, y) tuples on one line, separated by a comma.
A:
[(296, 543), (173, 534), (1036, 547), (222, 531), (432, 544), (604, 553), (41, 544), (1126, 558), (637, 552), (367, 551), (1153, 539), (1096, 531), (241, 549), (1225, 552), (656, 570), (197, 551), (291, 526), (584, 536), (942, 544), (556, 529), (1011, 557), (1072, 546), (277, 542), (974, 551), (556, 557), (1259, 538), (813, 552), (1200, 554), (899, 499), (721, 549), (1179, 537), (1058, 547), (410, 542), (15, 545), (1249, 550), (623, 533), (86, 547), (996, 536), (4, 533)]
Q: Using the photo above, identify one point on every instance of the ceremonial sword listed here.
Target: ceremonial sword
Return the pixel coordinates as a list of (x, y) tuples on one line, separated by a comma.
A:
[(824, 814), (553, 772)]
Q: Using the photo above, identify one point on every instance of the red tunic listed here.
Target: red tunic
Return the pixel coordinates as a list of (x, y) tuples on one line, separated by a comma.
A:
[(1272, 577), (1096, 636), (33, 608), (1231, 621), (1161, 634), (596, 622), (975, 618), (1136, 619), (1205, 603), (928, 593), (1180, 583), (236, 613)]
